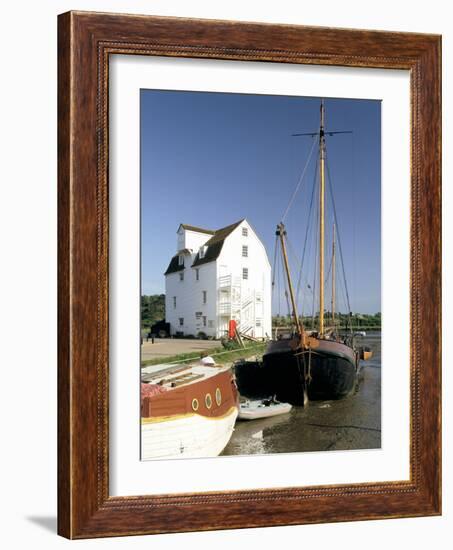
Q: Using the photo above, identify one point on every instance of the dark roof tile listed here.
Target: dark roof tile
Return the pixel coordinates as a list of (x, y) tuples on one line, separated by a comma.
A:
[(174, 266), (215, 244), (196, 229)]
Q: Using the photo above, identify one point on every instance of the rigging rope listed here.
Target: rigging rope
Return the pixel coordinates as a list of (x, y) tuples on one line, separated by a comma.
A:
[(328, 271), (338, 234), (300, 181), (344, 297), (306, 237), (311, 245), (294, 255), (277, 265)]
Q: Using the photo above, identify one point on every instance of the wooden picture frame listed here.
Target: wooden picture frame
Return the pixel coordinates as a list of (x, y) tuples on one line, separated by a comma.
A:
[(85, 42)]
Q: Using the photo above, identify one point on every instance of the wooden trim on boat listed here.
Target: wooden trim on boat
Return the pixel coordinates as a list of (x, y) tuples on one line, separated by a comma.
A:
[(155, 420), (178, 400)]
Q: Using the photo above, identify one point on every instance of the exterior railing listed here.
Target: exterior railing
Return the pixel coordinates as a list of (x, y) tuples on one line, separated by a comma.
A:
[(224, 308), (225, 281)]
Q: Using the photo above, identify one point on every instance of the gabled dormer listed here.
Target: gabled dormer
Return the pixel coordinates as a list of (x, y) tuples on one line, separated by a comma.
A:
[(191, 237), (180, 261), (211, 249), (203, 245)]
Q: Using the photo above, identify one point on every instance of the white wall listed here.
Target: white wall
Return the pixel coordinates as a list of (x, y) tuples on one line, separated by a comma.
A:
[(230, 262), (259, 272), (191, 240), (189, 299), (29, 266)]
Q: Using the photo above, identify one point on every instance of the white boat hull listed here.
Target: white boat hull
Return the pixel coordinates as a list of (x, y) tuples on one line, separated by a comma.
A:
[(186, 436), (254, 410)]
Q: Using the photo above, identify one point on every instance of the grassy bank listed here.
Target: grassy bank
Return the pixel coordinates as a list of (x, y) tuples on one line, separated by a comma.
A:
[(220, 355)]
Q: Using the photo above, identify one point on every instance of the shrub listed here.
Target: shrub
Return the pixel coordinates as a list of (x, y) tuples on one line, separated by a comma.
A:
[(229, 344)]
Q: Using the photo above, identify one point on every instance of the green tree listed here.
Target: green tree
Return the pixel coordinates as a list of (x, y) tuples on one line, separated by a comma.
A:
[(152, 309)]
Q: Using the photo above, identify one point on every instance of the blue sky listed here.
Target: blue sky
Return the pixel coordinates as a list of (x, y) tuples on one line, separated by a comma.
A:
[(210, 159)]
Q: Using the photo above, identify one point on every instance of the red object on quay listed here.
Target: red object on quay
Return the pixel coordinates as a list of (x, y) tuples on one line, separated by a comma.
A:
[(232, 328)]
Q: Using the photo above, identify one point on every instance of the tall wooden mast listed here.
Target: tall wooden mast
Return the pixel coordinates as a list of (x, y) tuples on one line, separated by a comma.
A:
[(322, 157), (333, 276), (281, 234)]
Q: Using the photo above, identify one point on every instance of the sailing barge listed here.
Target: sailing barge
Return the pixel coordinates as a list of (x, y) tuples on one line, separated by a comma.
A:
[(309, 364)]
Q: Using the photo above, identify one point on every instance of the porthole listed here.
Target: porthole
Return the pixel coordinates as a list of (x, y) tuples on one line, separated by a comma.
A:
[(195, 404), (208, 401), (218, 397)]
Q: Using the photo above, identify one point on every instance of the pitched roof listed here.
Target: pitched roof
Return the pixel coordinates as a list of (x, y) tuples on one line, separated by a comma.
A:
[(196, 229), (214, 244), (174, 266)]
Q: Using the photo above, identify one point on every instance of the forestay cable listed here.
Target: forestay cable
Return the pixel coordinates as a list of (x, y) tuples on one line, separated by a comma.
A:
[(300, 181)]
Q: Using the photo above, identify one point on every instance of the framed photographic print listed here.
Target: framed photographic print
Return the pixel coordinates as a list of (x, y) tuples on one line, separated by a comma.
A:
[(249, 275)]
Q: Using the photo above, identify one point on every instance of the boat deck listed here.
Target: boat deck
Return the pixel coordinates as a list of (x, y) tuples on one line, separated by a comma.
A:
[(171, 376)]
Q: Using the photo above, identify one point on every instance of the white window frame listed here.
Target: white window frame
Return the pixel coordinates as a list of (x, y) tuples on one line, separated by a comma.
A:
[(245, 271), (174, 302), (181, 276), (204, 296), (197, 273), (181, 321), (245, 232), (245, 251)]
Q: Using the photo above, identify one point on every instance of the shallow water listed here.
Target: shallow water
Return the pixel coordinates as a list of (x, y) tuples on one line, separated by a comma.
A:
[(350, 423)]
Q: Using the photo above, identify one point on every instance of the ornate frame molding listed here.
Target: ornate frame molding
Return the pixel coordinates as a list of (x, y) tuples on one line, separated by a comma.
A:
[(86, 40)]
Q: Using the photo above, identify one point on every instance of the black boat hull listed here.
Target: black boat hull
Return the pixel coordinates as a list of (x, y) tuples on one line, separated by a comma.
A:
[(251, 380), (284, 372), (332, 377), (327, 371), (277, 376)]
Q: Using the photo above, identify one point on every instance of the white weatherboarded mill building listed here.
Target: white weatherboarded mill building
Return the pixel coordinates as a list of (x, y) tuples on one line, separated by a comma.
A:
[(217, 276)]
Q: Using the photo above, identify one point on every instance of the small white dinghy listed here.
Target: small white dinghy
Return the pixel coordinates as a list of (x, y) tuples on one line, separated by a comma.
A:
[(263, 408)]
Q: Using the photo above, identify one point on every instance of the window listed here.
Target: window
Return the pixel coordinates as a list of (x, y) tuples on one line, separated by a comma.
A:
[(258, 322), (205, 296), (197, 274), (174, 302), (204, 321), (245, 251), (202, 251), (198, 315), (245, 273), (211, 324), (245, 232), (181, 276), (218, 397), (181, 321), (181, 260)]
